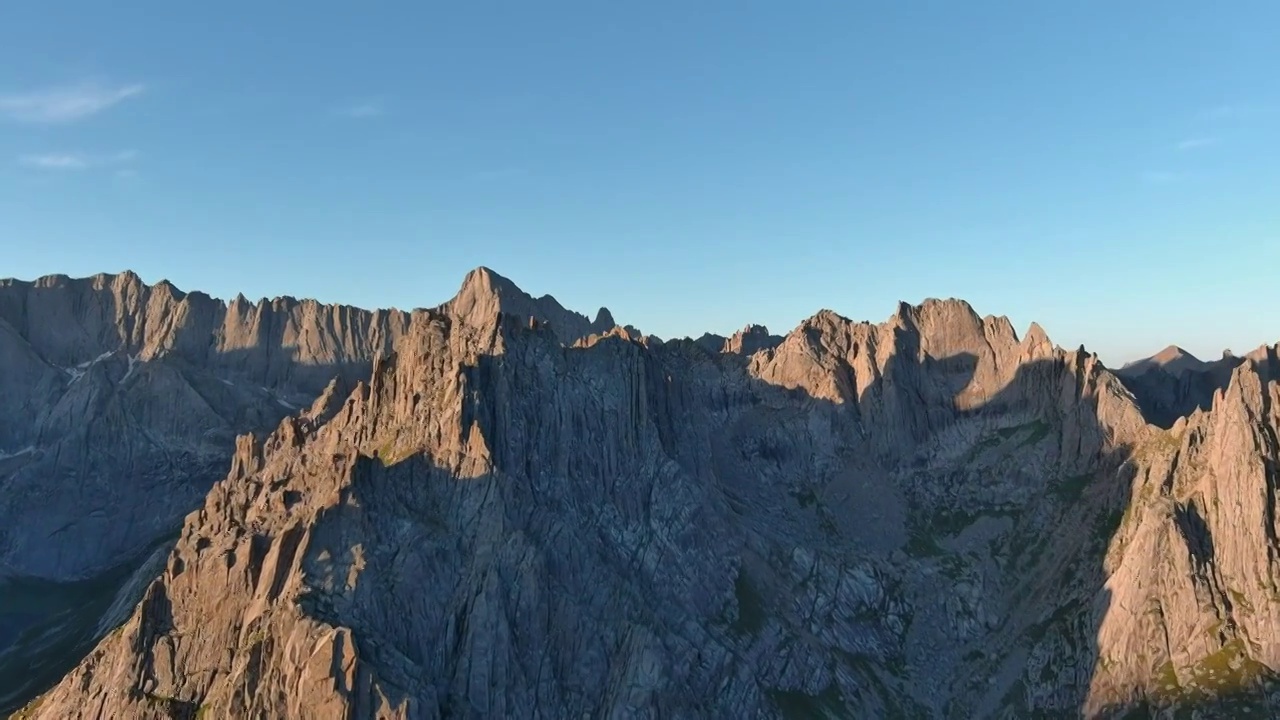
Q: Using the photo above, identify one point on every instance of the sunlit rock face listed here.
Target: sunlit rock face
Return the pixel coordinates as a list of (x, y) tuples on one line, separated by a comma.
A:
[(500, 508)]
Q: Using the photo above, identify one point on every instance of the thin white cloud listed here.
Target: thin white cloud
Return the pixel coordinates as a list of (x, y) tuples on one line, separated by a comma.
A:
[(1195, 143), (66, 104), (363, 110), (76, 161), (55, 161)]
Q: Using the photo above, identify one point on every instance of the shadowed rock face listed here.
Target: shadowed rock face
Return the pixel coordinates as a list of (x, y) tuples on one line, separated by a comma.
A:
[(502, 509), (1173, 383), (119, 408), (126, 400), (1173, 360)]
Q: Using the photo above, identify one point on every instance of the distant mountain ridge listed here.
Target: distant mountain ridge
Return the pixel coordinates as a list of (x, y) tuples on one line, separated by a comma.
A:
[(1172, 359), (499, 507), (1173, 383)]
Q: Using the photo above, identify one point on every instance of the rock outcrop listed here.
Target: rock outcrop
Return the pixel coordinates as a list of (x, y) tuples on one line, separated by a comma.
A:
[(119, 408), (515, 512), (747, 341), (1173, 383)]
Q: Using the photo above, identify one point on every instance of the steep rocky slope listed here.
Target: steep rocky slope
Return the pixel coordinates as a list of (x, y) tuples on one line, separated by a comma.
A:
[(1173, 383), (928, 517), (1193, 583), (119, 407)]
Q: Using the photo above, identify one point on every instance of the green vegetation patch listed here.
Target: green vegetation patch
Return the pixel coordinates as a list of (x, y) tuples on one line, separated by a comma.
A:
[(953, 567), (795, 705), (1107, 526), (921, 543), (1035, 432), (1227, 678), (29, 710), (1059, 620), (1240, 601), (751, 610), (1230, 668), (1039, 431), (1070, 490), (387, 453), (257, 637), (1163, 443), (923, 535), (806, 497)]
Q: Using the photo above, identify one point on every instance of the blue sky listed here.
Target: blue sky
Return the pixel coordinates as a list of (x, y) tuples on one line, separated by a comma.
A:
[(1111, 170)]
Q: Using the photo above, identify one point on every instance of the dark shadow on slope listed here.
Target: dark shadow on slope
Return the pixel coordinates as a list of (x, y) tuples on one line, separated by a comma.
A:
[(586, 595), (47, 626), (1166, 396), (1227, 683), (1062, 517), (167, 427), (1048, 595), (1020, 508), (50, 626), (1052, 597), (1036, 464), (1065, 518)]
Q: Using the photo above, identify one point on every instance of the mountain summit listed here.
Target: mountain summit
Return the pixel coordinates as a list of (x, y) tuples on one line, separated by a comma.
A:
[(500, 508), (1172, 359), (485, 293)]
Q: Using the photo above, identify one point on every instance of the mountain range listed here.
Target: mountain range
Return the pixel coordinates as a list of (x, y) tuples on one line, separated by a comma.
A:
[(499, 507)]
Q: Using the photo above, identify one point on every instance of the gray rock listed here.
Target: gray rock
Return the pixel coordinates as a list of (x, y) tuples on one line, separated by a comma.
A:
[(515, 512), (1173, 383)]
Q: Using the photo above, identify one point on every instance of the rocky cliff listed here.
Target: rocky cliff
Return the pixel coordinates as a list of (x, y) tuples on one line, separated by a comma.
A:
[(119, 408), (504, 510), (1173, 383)]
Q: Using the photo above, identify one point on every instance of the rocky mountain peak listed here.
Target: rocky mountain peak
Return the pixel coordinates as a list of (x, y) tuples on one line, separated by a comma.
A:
[(1173, 383), (485, 295), (604, 320), (751, 339), (483, 282), (1036, 343), (1266, 354), (1172, 359), (499, 507), (1171, 353)]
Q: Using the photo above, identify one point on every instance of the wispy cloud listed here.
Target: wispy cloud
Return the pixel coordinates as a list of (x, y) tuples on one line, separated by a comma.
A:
[(65, 104), (76, 161), (363, 110), (55, 161), (1195, 143)]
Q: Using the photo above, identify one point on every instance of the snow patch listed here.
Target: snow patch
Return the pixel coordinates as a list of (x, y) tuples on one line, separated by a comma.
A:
[(133, 362), (85, 365), (78, 371), (16, 453)]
